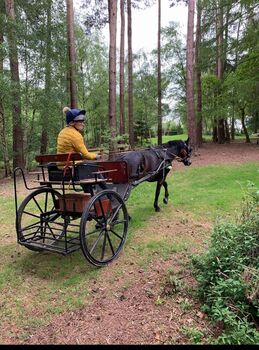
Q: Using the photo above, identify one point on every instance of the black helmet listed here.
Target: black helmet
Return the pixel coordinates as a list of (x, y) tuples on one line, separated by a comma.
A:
[(74, 114)]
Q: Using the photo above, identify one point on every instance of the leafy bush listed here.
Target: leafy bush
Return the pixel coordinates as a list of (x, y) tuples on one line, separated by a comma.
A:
[(228, 275)]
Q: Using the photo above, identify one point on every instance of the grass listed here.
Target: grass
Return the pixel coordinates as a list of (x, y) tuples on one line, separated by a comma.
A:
[(207, 192), (212, 191), (36, 286), (184, 137)]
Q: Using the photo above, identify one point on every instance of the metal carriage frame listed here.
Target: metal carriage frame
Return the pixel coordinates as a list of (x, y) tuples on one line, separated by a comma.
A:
[(72, 212)]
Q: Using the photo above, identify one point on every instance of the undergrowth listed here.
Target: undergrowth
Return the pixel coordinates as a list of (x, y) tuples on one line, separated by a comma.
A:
[(227, 274)]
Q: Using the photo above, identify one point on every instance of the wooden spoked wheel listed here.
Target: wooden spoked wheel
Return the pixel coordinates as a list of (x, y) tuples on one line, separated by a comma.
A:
[(39, 219), (103, 228)]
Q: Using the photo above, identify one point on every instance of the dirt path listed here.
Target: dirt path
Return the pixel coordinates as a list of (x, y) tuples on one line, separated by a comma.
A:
[(150, 305), (234, 153), (131, 304)]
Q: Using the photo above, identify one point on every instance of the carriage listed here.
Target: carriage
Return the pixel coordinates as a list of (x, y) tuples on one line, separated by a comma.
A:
[(79, 206)]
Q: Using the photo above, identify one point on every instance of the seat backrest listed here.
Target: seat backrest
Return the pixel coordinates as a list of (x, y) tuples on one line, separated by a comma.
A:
[(54, 158)]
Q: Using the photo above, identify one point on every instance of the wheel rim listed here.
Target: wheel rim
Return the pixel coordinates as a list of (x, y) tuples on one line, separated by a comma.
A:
[(103, 228), (38, 219)]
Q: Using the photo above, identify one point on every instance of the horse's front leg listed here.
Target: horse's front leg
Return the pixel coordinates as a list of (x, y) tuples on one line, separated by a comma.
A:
[(165, 200), (158, 188)]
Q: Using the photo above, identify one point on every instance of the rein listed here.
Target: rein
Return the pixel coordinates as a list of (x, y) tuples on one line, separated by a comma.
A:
[(179, 159)]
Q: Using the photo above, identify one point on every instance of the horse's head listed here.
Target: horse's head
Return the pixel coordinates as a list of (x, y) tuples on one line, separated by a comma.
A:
[(180, 149), (186, 153)]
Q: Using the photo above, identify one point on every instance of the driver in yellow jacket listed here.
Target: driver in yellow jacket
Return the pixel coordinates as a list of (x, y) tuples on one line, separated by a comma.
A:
[(70, 138)]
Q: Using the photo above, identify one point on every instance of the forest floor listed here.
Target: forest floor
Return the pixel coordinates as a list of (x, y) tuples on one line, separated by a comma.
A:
[(145, 305)]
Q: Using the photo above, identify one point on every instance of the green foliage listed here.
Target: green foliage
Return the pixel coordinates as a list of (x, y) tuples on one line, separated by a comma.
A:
[(172, 128), (228, 274), (194, 334), (141, 131)]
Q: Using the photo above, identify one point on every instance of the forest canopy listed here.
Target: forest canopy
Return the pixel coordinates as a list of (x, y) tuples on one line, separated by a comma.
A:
[(36, 70)]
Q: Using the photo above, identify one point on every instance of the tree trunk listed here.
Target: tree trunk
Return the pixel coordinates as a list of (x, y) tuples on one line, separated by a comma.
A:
[(130, 78), (256, 121), (112, 71), (122, 84), (219, 66), (47, 93), (215, 132), (71, 54), (159, 93), (189, 78), (227, 133), (244, 125), (18, 154), (198, 75), (3, 141), (221, 131), (232, 128)]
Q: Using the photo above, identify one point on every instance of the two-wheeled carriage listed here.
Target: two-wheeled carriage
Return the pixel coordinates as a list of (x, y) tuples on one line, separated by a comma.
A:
[(75, 206), (83, 206)]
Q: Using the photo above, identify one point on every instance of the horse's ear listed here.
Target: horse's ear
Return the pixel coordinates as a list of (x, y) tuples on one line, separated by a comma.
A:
[(187, 141)]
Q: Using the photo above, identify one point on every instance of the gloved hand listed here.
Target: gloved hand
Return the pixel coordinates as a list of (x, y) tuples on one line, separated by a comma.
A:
[(98, 157)]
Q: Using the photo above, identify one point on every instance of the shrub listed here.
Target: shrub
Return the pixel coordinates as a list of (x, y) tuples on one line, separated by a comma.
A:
[(227, 274)]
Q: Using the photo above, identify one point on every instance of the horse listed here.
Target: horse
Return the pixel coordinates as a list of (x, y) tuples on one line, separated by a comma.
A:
[(154, 163)]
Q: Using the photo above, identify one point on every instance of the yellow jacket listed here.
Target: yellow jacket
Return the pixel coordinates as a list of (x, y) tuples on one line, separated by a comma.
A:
[(71, 140)]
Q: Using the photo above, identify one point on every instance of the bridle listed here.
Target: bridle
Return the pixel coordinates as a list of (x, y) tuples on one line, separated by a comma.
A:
[(184, 159)]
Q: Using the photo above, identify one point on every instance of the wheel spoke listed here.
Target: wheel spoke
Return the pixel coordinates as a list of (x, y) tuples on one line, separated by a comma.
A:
[(46, 202), (36, 224), (116, 212), (101, 206), (110, 244), (104, 244), (50, 229), (39, 207), (92, 232), (117, 222), (96, 242), (116, 234), (31, 214)]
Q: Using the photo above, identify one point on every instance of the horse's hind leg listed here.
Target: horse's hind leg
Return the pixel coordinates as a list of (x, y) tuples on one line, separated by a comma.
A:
[(165, 200), (158, 187)]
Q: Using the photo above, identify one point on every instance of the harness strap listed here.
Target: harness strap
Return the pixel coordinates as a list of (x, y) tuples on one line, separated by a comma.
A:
[(67, 164), (161, 153), (179, 159)]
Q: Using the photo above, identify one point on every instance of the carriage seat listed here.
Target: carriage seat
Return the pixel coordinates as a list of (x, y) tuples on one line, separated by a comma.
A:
[(78, 172)]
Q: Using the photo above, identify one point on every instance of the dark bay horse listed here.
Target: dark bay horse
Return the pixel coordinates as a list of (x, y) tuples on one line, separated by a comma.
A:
[(154, 163)]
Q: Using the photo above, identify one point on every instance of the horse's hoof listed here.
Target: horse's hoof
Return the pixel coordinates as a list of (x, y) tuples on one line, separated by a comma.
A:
[(157, 209), (165, 200), (129, 217)]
